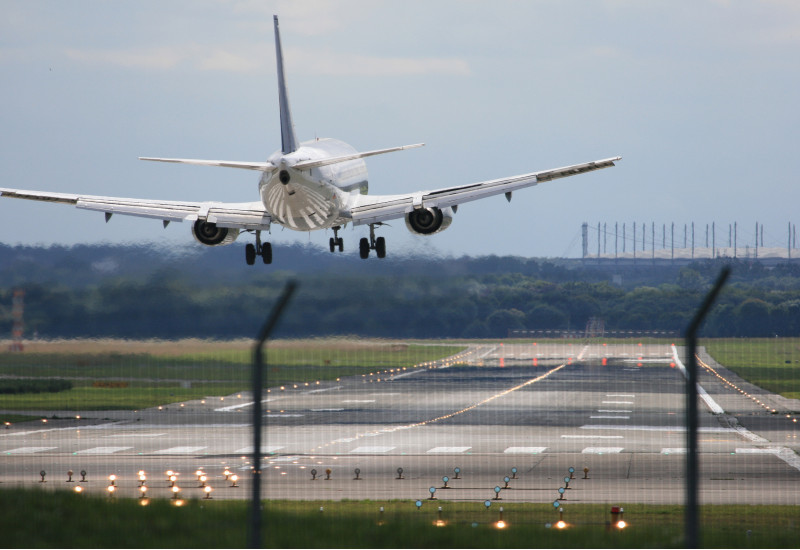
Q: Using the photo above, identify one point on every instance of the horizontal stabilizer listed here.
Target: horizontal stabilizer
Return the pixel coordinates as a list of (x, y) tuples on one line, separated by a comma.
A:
[(309, 164), (258, 166)]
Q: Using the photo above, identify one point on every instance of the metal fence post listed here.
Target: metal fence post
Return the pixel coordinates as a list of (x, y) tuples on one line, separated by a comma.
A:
[(692, 482), (254, 530)]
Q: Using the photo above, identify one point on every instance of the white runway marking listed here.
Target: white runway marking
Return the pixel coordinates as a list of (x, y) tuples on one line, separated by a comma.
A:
[(613, 411), (28, 450), (277, 415), (620, 395), (525, 450), (135, 435), (610, 416), (449, 449), (756, 451), (673, 451), (601, 450), (179, 451), (103, 450), (249, 450), (655, 428), (326, 410), (372, 450), (592, 437), (617, 402), (358, 401)]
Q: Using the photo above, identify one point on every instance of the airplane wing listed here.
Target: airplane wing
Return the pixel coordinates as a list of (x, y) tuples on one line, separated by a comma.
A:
[(378, 208), (247, 215)]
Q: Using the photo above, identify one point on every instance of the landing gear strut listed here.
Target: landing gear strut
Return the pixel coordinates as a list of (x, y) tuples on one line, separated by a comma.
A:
[(378, 245), (252, 250), (336, 241)]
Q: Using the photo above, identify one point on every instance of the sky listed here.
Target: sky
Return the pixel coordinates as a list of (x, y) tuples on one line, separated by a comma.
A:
[(699, 97)]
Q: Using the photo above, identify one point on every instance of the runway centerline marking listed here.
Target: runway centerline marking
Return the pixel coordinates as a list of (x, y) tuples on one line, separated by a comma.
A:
[(613, 411), (456, 413), (620, 395), (617, 402), (610, 416)]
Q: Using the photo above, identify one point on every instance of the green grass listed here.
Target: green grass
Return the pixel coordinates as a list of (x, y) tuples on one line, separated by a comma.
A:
[(770, 363), (161, 377), (66, 520)]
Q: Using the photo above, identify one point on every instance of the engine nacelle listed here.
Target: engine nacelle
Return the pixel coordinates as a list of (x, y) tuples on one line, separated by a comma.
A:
[(427, 221), (209, 234)]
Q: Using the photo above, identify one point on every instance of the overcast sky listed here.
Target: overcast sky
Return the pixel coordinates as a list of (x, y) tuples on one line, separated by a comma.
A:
[(700, 97)]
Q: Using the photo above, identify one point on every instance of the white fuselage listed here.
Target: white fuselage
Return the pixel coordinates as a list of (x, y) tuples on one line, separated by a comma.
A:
[(304, 200)]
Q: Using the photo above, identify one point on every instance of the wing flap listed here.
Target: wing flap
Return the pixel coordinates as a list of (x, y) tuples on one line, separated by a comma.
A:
[(245, 215), (376, 208)]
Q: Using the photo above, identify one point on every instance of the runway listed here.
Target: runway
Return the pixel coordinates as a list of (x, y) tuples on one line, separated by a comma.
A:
[(540, 409)]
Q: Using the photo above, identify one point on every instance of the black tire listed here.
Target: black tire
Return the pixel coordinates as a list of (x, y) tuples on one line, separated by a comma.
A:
[(250, 253), (332, 244), (363, 248), (340, 243), (266, 253), (380, 247)]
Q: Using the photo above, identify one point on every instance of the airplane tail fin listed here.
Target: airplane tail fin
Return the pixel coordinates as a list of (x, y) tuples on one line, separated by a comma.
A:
[(288, 140)]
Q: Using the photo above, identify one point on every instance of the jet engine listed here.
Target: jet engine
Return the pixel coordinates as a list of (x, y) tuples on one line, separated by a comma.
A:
[(209, 234), (427, 221)]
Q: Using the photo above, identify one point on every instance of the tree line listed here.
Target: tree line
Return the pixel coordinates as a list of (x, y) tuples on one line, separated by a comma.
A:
[(179, 302)]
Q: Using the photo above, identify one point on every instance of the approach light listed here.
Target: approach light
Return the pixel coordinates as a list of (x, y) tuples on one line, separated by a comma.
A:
[(78, 489), (500, 524), (621, 524), (561, 524), (111, 489), (207, 491)]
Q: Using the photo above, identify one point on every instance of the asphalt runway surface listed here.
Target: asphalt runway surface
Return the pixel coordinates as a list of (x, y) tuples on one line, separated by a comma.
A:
[(526, 412)]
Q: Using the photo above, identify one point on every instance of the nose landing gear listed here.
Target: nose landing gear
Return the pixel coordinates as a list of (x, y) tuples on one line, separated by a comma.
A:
[(336, 241)]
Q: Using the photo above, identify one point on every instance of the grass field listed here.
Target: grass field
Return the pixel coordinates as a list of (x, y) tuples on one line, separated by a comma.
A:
[(770, 363), (66, 520), (158, 373)]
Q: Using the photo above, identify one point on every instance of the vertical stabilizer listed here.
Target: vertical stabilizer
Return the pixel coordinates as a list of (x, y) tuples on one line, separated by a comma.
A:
[(288, 141)]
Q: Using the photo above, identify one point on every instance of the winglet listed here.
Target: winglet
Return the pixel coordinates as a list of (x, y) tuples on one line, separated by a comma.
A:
[(288, 140)]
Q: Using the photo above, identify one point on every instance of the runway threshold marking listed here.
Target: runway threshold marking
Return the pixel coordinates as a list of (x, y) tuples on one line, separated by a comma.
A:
[(103, 450), (28, 450), (451, 450), (249, 450), (601, 450), (673, 451), (179, 451), (525, 450), (372, 450)]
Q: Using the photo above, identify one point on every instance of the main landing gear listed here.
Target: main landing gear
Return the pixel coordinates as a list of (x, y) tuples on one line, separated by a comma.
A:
[(252, 250), (336, 241), (378, 245)]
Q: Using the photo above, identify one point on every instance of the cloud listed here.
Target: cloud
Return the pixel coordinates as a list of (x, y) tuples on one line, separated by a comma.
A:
[(246, 58), (327, 63)]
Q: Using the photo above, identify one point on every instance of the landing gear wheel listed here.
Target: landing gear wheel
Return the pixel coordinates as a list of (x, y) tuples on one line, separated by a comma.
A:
[(340, 244), (380, 247), (332, 244), (363, 248), (250, 253), (266, 253)]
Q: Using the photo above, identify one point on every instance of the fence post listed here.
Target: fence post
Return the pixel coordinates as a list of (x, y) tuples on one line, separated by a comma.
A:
[(254, 531), (692, 483)]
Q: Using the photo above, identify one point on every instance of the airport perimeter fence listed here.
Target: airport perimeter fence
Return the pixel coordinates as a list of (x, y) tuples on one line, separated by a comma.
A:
[(402, 443)]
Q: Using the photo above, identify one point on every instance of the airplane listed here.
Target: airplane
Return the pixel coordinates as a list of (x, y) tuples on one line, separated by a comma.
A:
[(317, 184)]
